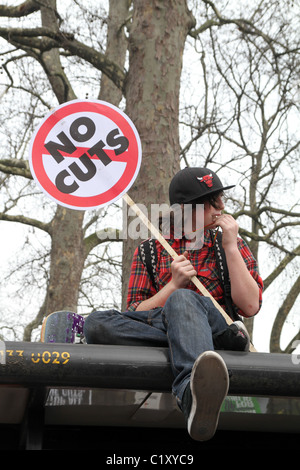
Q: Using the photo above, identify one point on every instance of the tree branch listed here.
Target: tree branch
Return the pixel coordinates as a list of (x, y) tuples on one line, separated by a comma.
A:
[(246, 27), (101, 236), (16, 167), (45, 39), (280, 268), (267, 209), (27, 221), (24, 9), (259, 238)]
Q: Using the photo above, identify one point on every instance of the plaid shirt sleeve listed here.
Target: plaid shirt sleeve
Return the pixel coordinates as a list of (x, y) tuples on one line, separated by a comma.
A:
[(252, 266), (140, 286)]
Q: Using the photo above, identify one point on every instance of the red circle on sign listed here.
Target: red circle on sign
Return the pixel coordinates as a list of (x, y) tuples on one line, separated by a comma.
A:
[(131, 158)]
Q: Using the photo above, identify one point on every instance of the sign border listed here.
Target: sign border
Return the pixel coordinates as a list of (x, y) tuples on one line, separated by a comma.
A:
[(122, 121)]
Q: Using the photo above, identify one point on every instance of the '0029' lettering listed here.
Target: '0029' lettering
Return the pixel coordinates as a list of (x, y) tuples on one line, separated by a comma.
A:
[(53, 357), (46, 357)]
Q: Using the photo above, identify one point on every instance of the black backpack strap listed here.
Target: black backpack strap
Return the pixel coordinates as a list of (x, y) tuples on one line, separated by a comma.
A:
[(148, 255), (224, 276)]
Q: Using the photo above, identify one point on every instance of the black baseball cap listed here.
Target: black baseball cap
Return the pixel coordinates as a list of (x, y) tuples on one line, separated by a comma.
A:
[(190, 184)]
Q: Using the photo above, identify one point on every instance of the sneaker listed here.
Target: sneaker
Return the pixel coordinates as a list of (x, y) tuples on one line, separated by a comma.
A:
[(234, 338), (204, 395)]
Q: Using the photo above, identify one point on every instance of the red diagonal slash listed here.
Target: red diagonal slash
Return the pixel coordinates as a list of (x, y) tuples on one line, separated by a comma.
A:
[(81, 150)]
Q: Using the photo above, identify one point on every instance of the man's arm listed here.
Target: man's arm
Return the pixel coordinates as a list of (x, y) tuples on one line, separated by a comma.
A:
[(244, 289), (182, 272)]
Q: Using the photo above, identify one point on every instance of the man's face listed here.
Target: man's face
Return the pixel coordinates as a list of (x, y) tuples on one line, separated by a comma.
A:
[(213, 208), (208, 211), (194, 218)]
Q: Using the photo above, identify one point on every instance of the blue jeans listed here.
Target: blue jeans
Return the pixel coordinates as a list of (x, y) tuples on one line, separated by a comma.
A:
[(186, 324)]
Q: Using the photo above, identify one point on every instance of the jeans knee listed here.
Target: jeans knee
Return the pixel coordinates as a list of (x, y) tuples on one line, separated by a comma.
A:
[(180, 295), (177, 304), (96, 326), (88, 327), (185, 304)]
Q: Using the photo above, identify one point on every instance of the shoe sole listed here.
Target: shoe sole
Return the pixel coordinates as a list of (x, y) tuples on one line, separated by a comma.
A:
[(209, 386)]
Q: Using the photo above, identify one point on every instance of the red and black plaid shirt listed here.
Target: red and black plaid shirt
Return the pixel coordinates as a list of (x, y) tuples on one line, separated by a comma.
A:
[(204, 262)]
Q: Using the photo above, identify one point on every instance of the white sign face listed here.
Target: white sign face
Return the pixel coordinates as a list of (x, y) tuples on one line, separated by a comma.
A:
[(85, 154)]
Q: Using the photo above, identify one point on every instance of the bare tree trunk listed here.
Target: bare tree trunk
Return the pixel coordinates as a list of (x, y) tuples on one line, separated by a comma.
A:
[(66, 265), (50, 60), (157, 37), (67, 260), (116, 48)]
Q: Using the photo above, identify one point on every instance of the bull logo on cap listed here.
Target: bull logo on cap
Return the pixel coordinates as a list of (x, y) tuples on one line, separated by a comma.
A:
[(207, 179)]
